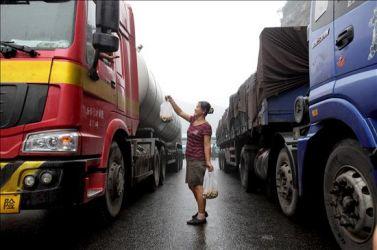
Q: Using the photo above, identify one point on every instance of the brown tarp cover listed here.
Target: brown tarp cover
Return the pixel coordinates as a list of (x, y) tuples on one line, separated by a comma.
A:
[(282, 65), (223, 128), (283, 60), (241, 94), (231, 110), (240, 122), (251, 94), (219, 129), (224, 120)]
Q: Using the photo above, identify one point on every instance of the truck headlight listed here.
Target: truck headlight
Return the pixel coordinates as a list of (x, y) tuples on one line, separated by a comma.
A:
[(51, 141)]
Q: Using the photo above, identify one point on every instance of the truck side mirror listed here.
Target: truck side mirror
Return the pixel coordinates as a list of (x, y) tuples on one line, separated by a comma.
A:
[(107, 22)]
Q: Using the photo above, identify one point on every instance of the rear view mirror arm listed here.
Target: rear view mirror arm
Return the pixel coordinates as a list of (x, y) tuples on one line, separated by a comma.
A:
[(93, 69)]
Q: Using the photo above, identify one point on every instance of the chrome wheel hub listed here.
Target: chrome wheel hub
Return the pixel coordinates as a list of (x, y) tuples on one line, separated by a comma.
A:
[(352, 204), (116, 181), (284, 182)]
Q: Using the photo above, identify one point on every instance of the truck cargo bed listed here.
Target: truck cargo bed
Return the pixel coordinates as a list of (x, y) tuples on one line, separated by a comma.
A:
[(280, 108)]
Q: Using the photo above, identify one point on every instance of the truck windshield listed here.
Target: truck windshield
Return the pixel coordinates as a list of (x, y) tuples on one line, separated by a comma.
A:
[(38, 24)]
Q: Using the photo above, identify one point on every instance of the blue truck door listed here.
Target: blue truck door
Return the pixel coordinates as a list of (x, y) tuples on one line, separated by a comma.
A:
[(356, 53), (355, 47), (321, 49)]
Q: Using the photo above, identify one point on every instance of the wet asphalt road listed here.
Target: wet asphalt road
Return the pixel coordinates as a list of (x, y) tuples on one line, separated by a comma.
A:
[(237, 220)]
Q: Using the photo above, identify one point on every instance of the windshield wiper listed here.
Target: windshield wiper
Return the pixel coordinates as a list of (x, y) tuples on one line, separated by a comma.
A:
[(14, 2), (8, 52), (23, 48)]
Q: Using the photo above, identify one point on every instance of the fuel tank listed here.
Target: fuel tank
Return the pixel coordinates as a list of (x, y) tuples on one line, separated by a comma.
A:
[(150, 99)]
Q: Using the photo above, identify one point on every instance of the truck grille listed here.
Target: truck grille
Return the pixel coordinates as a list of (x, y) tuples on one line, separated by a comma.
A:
[(21, 103)]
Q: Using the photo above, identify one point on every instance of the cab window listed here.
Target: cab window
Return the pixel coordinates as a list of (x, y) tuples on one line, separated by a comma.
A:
[(320, 9), (118, 60), (90, 29), (342, 7), (322, 14)]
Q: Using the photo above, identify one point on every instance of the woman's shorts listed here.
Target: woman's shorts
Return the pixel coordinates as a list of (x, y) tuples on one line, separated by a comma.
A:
[(195, 170)]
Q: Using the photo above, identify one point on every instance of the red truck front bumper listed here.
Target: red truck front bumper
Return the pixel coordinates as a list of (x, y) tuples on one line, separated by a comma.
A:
[(71, 182)]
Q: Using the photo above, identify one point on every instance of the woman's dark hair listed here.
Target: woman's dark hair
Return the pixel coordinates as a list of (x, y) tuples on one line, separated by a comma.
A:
[(206, 107)]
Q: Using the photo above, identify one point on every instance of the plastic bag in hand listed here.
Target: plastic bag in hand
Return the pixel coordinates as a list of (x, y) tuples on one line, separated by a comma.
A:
[(210, 186), (166, 112)]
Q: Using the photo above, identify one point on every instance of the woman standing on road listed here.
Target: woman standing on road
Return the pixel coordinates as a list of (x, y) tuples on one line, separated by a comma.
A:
[(198, 154)]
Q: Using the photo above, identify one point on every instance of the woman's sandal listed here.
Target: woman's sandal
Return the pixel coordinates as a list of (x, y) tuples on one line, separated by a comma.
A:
[(195, 221), (195, 215)]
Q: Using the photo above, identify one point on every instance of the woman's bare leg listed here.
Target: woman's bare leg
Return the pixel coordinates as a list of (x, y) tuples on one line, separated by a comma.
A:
[(200, 200), (193, 191)]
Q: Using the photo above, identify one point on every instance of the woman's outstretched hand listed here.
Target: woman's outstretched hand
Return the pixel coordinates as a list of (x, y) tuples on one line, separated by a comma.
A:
[(209, 166), (168, 98), (176, 108)]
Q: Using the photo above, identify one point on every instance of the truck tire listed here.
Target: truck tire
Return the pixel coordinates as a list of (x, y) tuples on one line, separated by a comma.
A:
[(155, 177), (162, 165), (270, 184), (221, 163), (246, 169), (109, 206), (175, 165), (286, 190), (350, 195), (180, 161), (227, 167)]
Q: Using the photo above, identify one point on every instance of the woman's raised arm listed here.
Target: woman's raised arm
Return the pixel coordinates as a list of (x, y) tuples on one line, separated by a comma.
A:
[(177, 109)]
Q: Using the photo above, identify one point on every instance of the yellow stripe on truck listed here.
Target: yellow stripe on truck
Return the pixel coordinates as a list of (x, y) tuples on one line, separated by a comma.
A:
[(14, 71), (62, 72), (15, 183)]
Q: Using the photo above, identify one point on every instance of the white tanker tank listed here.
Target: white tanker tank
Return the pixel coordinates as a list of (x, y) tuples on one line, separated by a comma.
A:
[(151, 98)]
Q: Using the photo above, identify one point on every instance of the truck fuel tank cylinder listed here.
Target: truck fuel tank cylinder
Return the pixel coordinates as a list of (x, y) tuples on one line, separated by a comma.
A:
[(151, 97)]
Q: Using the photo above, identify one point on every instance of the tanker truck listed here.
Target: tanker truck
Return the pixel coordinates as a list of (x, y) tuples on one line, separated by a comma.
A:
[(79, 108), (169, 133), (303, 127)]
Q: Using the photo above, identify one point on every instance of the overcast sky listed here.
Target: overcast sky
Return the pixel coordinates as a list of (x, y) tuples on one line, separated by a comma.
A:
[(202, 50)]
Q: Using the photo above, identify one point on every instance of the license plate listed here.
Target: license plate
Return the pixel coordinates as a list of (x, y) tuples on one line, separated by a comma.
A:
[(9, 203)]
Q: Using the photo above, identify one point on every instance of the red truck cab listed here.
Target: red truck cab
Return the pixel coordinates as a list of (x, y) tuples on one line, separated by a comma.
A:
[(69, 93)]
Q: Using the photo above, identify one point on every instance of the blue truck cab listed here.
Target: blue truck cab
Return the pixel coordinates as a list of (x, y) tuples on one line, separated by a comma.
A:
[(303, 127), (337, 158)]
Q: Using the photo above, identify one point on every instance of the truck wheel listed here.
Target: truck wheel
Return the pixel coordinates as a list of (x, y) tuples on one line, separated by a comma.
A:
[(270, 184), (286, 191), (350, 195), (110, 204), (227, 167), (176, 164), (155, 178), (221, 161), (180, 161), (246, 169), (162, 165)]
